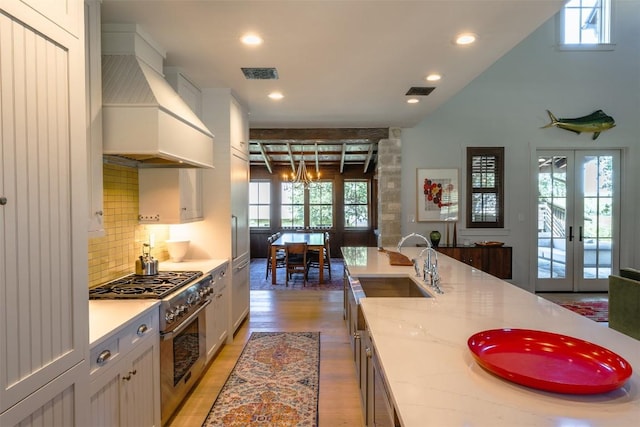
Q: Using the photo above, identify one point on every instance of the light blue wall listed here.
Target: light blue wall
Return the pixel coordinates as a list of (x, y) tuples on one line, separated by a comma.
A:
[(505, 106)]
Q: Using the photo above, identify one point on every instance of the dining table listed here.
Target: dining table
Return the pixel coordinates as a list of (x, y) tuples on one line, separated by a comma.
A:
[(314, 241)]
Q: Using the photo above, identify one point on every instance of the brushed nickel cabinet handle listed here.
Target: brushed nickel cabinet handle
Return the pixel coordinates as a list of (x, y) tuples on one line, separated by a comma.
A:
[(142, 329), (103, 357)]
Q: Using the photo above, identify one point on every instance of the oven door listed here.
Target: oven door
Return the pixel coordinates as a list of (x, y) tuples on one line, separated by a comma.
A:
[(182, 359)]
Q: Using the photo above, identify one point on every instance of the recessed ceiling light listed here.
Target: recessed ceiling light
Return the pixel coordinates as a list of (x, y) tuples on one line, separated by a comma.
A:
[(276, 95), (413, 101), (433, 77), (251, 39), (466, 38)]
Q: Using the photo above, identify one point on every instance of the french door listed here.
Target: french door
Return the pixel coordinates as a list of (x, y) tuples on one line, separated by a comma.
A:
[(578, 205)]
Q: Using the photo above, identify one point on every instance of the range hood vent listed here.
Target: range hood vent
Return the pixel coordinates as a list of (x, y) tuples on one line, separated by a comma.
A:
[(145, 120)]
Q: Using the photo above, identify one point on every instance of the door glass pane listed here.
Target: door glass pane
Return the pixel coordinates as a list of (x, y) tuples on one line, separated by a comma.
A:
[(597, 231), (552, 202)]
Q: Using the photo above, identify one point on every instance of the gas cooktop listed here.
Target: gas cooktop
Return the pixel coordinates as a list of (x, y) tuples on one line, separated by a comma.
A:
[(136, 286)]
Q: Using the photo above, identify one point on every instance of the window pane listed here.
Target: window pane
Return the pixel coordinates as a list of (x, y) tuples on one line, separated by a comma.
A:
[(586, 22), (259, 204), (356, 204)]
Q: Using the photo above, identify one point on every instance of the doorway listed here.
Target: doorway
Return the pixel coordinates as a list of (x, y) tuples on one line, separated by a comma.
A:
[(578, 205)]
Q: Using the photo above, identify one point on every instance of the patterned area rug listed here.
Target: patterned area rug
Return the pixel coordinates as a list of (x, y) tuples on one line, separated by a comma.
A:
[(274, 383), (594, 310), (257, 281)]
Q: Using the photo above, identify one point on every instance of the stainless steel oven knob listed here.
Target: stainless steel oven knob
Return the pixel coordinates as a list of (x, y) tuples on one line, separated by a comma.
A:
[(191, 298), (180, 310), (169, 316)]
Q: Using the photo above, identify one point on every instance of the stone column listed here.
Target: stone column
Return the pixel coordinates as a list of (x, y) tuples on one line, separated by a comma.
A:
[(389, 168)]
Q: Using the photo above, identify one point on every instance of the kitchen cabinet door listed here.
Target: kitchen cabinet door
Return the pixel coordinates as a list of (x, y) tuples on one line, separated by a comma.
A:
[(43, 208), (217, 316), (93, 61), (65, 14), (125, 386), (170, 196), (239, 127)]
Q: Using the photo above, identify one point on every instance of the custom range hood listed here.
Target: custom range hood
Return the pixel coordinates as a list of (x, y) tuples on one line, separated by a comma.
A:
[(144, 120)]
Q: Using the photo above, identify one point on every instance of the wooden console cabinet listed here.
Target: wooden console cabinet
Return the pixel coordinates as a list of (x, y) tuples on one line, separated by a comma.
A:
[(495, 260)]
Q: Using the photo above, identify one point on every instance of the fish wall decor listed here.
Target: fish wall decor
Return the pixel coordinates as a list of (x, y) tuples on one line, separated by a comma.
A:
[(595, 122)]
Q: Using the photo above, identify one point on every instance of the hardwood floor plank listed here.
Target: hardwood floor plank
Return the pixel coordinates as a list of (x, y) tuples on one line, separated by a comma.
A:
[(282, 310)]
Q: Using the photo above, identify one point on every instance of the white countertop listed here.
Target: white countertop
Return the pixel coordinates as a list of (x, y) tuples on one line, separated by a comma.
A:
[(433, 378), (204, 265), (107, 317)]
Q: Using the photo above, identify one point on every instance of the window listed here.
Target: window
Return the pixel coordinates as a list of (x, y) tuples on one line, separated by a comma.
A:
[(292, 206), (260, 204), (311, 208), (485, 192), (321, 205), (586, 22), (356, 204)]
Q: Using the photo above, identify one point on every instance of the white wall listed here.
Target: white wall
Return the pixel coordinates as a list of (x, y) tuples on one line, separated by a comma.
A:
[(505, 106)]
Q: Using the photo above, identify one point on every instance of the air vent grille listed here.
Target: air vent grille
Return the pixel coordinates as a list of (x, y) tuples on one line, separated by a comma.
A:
[(420, 91), (260, 73)]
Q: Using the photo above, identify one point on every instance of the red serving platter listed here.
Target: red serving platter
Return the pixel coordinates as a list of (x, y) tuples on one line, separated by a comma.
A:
[(548, 361)]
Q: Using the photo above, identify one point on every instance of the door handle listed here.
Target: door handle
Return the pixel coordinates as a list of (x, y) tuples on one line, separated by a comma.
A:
[(580, 233), (571, 233)]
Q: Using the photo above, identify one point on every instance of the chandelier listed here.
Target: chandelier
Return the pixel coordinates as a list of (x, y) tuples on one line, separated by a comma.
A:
[(302, 176)]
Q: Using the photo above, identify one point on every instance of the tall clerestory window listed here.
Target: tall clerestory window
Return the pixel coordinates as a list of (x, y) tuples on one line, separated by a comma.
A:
[(586, 23)]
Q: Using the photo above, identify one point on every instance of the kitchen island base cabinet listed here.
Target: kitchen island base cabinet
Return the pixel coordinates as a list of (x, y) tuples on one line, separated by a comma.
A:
[(125, 376)]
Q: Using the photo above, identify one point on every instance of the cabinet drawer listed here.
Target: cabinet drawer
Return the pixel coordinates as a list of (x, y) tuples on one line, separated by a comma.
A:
[(141, 328), (104, 355)]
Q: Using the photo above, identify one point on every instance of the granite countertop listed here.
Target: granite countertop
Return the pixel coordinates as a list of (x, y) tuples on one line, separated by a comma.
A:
[(433, 378)]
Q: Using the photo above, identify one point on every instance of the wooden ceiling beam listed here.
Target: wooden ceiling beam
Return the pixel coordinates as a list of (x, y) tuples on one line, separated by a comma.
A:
[(267, 162), (366, 162), (293, 165), (317, 164), (313, 134)]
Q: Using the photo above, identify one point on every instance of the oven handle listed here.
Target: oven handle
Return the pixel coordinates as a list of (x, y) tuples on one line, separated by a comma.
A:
[(168, 335)]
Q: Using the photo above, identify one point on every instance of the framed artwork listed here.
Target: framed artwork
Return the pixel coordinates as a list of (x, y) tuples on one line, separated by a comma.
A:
[(437, 194)]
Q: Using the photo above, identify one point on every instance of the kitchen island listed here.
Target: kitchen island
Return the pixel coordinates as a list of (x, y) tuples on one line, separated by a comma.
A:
[(431, 375)]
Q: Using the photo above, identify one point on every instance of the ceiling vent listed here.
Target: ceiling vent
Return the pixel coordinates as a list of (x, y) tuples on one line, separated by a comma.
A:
[(260, 73), (420, 91)]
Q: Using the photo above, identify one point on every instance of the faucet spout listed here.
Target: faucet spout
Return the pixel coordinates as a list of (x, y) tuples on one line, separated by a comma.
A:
[(402, 240)]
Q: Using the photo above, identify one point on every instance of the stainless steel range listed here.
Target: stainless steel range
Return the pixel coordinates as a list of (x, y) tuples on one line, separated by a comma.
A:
[(183, 297)]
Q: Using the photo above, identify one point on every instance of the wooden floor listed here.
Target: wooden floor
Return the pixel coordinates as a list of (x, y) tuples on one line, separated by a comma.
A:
[(283, 310)]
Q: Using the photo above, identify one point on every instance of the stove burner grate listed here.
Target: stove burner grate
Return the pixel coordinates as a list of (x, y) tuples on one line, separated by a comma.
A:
[(138, 286)]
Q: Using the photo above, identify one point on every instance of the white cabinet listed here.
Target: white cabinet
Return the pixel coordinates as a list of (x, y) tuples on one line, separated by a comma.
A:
[(226, 196), (125, 375), (188, 91), (170, 196), (94, 116), (43, 196), (218, 312), (239, 129)]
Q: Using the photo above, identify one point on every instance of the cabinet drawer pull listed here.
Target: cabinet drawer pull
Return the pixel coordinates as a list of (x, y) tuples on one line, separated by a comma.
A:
[(356, 336), (368, 352), (3, 200), (103, 357), (142, 329)]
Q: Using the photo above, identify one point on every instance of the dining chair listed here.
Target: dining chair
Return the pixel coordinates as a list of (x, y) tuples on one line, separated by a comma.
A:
[(296, 260), (280, 256), (313, 256)]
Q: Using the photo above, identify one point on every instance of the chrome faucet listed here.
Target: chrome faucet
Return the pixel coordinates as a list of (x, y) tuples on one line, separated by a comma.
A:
[(402, 240), (430, 270)]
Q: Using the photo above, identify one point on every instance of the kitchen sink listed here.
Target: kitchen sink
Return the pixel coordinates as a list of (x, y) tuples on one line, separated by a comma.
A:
[(390, 287)]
